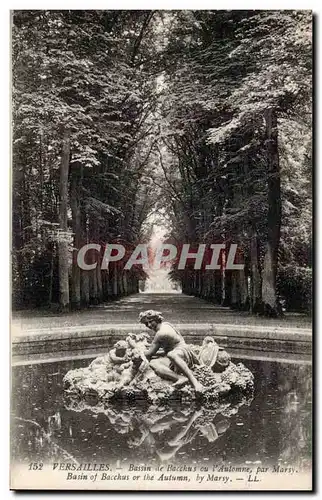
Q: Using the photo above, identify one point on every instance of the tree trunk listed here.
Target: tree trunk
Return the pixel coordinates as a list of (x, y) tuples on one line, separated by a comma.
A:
[(63, 252), (243, 293), (99, 280), (93, 290), (85, 287), (77, 230), (256, 298), (115, 281), (104, 278), (225, 279), (211, 285), (110, 281), (51, 275), (217, 287), (234, 290), (228, 288), (269, 295), (120, 283), (125, 287)]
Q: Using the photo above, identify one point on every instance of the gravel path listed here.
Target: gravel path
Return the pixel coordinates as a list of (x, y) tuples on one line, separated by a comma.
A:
[(177, 308)]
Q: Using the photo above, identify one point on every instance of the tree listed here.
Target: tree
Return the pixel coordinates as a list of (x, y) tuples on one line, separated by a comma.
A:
[(227, 95), (78, 90), (196, 115)]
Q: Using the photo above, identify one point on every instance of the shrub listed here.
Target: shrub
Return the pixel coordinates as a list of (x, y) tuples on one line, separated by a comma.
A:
[(294, 285)]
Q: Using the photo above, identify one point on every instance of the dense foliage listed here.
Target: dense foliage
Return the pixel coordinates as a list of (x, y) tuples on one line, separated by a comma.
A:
[(238, 135), (81, 142)]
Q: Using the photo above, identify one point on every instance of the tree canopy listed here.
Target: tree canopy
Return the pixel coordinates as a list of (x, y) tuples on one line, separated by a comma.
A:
[(202, 116)]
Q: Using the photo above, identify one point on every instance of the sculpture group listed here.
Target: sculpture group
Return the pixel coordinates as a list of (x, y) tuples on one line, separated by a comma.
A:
[(164, 368)]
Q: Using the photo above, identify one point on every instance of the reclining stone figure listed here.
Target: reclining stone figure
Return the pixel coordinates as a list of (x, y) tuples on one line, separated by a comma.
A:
[(137, 368), (178, 358)]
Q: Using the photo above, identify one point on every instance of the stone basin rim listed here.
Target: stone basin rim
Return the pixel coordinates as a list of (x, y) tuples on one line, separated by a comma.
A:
[(61, 333)]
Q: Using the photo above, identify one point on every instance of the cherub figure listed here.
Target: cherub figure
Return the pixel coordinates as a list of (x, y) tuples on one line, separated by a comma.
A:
[(138, 341), (117, 359), (138, 369), (119, 356)]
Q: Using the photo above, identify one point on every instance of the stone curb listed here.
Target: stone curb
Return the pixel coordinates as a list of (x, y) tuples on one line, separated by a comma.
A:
[(100, 336), (258, 332)]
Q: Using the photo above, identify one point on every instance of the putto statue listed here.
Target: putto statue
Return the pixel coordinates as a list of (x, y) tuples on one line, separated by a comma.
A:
[(166, 368)]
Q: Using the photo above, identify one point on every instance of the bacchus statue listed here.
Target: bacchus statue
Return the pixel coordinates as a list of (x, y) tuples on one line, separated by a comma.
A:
[(177, 359)]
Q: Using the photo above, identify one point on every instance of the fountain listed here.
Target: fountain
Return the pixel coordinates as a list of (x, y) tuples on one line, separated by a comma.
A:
[(134, 369)]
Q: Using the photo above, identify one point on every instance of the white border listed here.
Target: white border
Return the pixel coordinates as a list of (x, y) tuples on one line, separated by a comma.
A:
[(161, 4), (5, 181)]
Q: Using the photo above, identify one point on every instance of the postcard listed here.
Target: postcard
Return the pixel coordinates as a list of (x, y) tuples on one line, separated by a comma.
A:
[(161, 326)]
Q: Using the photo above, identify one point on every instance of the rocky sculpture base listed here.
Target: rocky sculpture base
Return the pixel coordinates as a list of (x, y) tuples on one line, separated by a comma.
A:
[(104, 381)]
